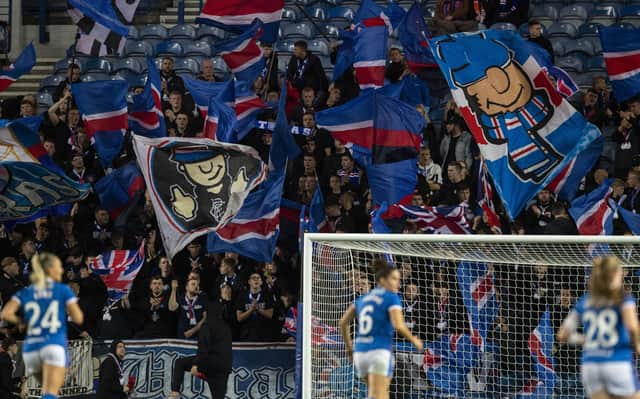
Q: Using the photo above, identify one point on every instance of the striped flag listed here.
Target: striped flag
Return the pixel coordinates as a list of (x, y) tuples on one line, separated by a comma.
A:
[(23, 64), (118, 269), (145, 114), (438, 219), (621, 51), (247, 105), (541, 348), (592, 213), (242, 54), (220, 123), (486, 195)]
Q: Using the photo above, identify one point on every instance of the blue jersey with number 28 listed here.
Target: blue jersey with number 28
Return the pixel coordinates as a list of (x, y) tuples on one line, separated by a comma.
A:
[(374, 329), (45, 313), (605, 337)]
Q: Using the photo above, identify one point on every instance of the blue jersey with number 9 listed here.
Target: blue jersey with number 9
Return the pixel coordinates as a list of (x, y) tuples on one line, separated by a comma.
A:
[(374, 329), (45, 312), (605, 337)]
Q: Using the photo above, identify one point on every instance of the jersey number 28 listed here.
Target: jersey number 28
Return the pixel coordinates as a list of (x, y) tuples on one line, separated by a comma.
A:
[(49, 321), (601, 329)]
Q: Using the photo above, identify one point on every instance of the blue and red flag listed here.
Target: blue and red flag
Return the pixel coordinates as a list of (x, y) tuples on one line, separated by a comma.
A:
[(565, 85), (384, 136), (220, 123), (242, 54), (621, 51), (414, 35), (411, 90), (120, 190), (118, 269), (238, 15), (344, 58), (485, 196), (145, 113), (630, 218), (479, 296), (283, 146), (23, 64), (289, 223), (318, 222), (527, 132), (438, 219), (566, 183), (592, 213), (103, 105), (247, 105), (541, 349), (202, 92), (370, 45)]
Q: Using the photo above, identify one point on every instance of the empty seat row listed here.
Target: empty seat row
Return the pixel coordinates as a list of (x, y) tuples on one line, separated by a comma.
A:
[(155, 31), (605, 14)]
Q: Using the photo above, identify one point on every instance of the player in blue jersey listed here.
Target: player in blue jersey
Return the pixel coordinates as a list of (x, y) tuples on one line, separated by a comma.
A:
[(379, 314), (610, 333), (46, 304)]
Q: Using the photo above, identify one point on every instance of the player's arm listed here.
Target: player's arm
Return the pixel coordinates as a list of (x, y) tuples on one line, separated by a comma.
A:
[(73, 310), (630, 320), (9, 311), (397, 320), (567, 331), (345, 327)]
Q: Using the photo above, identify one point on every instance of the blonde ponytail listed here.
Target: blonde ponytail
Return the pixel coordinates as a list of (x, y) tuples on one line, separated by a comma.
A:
[(39, 263)]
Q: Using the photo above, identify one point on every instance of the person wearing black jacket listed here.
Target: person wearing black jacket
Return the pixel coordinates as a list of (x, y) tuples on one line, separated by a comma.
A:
[(214, 357), (112, 384), (9, 388), (305, 70), (535, 36)]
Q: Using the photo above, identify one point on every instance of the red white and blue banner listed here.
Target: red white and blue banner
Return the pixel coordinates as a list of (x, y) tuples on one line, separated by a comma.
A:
[(541, 348), (621, 51), (23, 64), (592, 213), (526, 131), (119, 191), (118, 269), (414, 35), (242, 54), (145, 113), (239, 95), (438, 219), (220, 123)]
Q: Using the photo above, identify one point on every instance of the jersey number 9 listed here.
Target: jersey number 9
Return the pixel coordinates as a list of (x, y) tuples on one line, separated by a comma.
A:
[(49, 320), (365, 321), (601, 329)]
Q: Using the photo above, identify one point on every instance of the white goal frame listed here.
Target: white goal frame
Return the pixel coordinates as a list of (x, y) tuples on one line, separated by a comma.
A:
[(310, 238)]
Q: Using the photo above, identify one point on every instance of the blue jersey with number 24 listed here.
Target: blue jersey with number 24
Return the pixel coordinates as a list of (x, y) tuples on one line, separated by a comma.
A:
[(45, 313), (605, 337), (374, 329)]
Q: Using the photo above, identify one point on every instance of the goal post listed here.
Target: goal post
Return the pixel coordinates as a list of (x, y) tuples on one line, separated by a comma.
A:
[(484, 304)]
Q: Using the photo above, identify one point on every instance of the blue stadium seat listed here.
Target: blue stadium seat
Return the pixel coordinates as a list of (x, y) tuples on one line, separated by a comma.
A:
[(595, 64), (220, 68), (587, 5), (133, 79), (44, 100), (603, 14), (171, 48), (186, 65), (140, 48), (319, 47), (583, 46), (544, 11), (331, 31), (305, 2), (333, 2), (341, 14), (504, 26), (284, 46), (131, 64), (560, 29), (197, 48), (574, 14), (51, 82), (134, 33), (290, 14), (573, 63), (558, 47), (326, 62), (589, 29), (95, 76), (182, 32), (63, 65), (212, 32), (631, 14), (584, 80), (153, 32), (299, 30), (623, 25), (98, 65), (595, 42), (283, 62), (317, 12)]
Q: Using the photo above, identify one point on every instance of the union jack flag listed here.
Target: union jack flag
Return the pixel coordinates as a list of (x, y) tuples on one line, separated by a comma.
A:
[(438, 219), (118, 269)]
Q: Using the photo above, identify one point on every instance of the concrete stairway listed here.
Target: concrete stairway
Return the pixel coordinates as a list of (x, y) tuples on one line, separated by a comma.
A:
[(191, 10), (30, 83)]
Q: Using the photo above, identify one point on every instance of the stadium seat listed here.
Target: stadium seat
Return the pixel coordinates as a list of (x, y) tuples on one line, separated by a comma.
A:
[(631, 14), (558, 47), (544, 11), (574, 14), (153, 32), (198, 49), (571, 63), (63, 65), (595, 64), (171, 48), (317, 12), (186, 65), (134, 33), (584, 80), (133, 79), (583, 46), (95, 76), (131, 64), (182, 32), (589, 29), (331, 31), (595, 42), (98, 65), (603, 14), (283, 62), (290, 14), (341, 14), (208, 31), (587, 5), (140, 48), (326, 63), (300, 30), (333, 2), (504, 26), (284, 46), (305, 2), (319, 47), (220, 68), (51, 82), (44, 100), (562, 29)]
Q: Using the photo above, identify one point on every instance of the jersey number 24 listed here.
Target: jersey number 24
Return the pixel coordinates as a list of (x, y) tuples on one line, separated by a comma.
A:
[(49, 320)]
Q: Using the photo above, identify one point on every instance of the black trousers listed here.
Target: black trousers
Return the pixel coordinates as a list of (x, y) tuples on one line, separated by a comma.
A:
[(218, 384), (217, 380)]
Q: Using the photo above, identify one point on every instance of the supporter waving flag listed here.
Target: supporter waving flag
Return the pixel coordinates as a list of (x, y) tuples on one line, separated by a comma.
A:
[(118, 269), (344, 58), (119, 191), (621, 51), (145, 113), (414, 35), (103, 105), (238, 15), (592, 213), (438, 219), (242, 54), (202, 92), (384, 136), (370, 45), (220, 124), (23, 64), (526, 131), (247, 105)]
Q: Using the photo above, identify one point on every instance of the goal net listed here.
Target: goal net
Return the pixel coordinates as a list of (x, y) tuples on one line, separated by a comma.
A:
[(79, 376), (487, 308)]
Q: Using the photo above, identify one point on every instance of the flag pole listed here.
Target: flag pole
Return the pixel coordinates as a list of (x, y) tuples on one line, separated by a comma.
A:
[(268, 79), (318, 28)]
